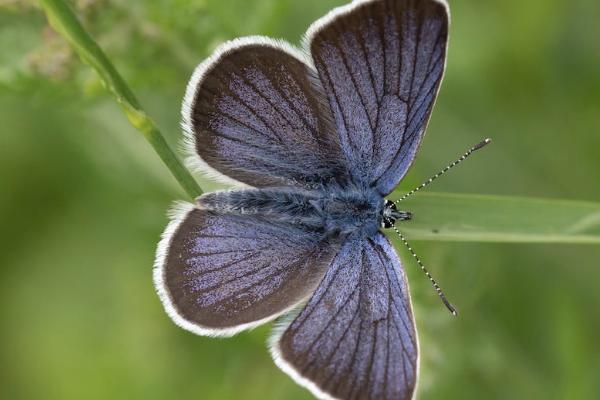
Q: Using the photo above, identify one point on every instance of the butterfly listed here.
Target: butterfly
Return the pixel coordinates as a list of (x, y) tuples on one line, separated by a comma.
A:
[(314, 139)]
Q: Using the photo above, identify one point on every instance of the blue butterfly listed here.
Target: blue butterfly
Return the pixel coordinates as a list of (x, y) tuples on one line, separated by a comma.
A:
[(317, 138)]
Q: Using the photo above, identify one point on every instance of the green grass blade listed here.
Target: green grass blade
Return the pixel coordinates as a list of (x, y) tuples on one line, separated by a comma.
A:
[(479, 218), (64, 21)]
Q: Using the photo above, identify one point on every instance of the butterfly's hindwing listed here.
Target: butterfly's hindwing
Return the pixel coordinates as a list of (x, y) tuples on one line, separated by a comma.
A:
[(219, 274), (355, 338)]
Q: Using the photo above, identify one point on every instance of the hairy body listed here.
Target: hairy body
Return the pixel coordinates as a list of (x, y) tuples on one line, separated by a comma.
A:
[(331, 210)]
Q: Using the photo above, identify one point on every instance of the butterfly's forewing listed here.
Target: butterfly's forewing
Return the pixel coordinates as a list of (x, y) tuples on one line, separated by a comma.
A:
[(220, 274), (255, 112), (381, 63), (355, 338)]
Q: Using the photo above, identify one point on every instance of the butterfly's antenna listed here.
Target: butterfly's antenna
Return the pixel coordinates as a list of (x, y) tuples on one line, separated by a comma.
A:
[(448, 167), (433, 282)]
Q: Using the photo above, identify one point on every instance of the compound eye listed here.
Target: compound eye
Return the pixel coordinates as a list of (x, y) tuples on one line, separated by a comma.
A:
[(387, 223), (390, 204)]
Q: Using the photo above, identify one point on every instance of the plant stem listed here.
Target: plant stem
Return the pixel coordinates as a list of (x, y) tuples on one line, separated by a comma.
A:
[(64, 21)]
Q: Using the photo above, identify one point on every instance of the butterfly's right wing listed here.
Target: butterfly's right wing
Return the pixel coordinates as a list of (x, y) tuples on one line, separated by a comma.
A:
[(255, 113), (355, 338), (219, 274), (381, 64)]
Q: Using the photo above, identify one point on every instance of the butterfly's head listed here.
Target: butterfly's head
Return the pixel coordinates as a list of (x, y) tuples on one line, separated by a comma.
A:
[(390, 214)]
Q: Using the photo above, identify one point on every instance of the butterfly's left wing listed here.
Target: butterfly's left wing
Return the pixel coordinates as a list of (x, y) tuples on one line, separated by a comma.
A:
[(355, 338), (218, 274), (254, 112), (381, 63)]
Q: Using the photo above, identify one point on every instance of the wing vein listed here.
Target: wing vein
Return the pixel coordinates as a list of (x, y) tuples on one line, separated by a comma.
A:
[(429, 68), (337, 101), (273, 106), (327, 324), (252, 110), (221, 267), (416, 58), (356, 88), (371, 78)]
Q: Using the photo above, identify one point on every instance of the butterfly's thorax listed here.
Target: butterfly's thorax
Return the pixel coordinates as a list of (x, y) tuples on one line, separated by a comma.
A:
[(330, 209)]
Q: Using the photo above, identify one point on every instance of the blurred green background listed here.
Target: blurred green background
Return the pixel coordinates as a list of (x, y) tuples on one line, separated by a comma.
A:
[(83, 200)]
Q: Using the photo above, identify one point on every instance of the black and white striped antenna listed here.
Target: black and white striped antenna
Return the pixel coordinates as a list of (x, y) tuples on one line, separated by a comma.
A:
[(446, 169), (437, 288)]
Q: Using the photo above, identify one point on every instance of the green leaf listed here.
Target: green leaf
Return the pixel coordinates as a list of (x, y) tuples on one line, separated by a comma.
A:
[(479, 218), (64, 21)]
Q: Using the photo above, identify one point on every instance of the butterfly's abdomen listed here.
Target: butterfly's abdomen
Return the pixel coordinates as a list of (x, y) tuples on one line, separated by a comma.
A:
[(334, 211), (276, 204)]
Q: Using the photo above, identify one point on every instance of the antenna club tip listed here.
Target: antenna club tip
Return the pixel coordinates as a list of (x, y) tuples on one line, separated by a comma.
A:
[(449, 305), (484, 142), (452, 309)]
